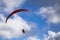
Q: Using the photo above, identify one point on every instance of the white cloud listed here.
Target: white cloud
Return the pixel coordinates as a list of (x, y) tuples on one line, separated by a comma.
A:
[(33, 38), (52, 36), (14, 27), (50, 13), (11, 4), (2, 18)]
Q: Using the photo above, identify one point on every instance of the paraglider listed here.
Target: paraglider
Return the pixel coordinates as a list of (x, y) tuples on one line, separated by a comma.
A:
[(23, 30), (14, 12)]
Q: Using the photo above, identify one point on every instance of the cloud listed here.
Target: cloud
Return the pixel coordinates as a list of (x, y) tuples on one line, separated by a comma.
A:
[(56, 1), (2, 18), (11, 4), (33, 38), (14, 27), (52, 36), (50, 13)]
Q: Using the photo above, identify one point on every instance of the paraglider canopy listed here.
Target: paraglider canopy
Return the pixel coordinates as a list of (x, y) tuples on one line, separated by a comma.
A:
[(14, 12)]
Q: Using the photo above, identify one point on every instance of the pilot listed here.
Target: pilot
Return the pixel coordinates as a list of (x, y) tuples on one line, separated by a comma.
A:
[(23, 30)]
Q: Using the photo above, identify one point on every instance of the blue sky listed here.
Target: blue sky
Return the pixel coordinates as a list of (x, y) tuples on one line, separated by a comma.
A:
[(42, 23)]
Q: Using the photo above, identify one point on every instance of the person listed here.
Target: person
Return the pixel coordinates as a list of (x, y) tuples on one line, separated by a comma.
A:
[(23, 30)]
